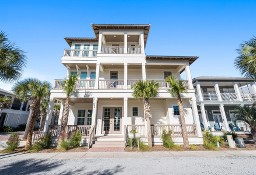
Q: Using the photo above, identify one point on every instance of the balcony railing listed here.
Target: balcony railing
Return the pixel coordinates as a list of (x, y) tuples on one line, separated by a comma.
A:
[(111, 84), (80, 53), (120, 50), (107, 84), (210, 96), (229, 96), (248, 97)]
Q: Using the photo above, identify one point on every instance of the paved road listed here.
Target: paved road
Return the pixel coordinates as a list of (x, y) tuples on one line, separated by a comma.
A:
[(92, 163)]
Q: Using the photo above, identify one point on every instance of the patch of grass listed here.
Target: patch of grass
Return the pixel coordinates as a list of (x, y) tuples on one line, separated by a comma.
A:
[(144, 147), (193, 147)]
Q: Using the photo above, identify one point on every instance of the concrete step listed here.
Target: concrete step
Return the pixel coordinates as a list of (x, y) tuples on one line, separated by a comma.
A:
[(108, 144), (109, 139)]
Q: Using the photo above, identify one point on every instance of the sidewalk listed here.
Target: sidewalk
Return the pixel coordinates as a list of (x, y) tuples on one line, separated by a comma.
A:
[(81, 155)]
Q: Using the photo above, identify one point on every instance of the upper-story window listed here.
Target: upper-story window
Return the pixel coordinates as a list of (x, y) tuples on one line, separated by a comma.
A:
[(176, 110), (95, 50), (73, 73), (77, 50), (86, 50), (114, 75), (83, 75)]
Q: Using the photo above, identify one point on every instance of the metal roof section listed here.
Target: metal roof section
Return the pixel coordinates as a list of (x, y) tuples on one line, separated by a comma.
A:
[(2, 91), (221, 79), (191, 59), (69, 40)]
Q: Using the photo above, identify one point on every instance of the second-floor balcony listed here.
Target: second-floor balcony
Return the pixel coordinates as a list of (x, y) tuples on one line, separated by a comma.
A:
[(120, 50), (80, 53), (106, 84)]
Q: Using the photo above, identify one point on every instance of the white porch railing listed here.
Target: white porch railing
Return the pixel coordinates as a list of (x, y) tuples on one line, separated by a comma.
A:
[(134, 50), (139, 129), (80, 84), (229, 96), (157, 130), (111, 84), (112, 49), (80, 53), (210, 96), (248, 97)]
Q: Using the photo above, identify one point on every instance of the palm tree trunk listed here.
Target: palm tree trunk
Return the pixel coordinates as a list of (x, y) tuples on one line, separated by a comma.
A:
[(183, 124), (64, 122), (42, 121), (253, 135), (28, 121), (34, 110), (148, 117)]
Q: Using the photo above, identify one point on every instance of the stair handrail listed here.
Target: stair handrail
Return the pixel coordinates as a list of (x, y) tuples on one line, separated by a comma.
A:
[(91, 136)]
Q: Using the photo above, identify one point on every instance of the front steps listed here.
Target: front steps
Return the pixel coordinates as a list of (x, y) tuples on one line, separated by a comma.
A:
[(108, 143)]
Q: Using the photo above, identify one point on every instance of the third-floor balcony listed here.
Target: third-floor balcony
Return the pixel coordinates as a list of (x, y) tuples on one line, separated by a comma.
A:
[(120, 50)]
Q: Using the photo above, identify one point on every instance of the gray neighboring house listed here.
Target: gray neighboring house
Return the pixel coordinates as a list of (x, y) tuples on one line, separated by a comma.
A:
[(17, 114), (218, 98)]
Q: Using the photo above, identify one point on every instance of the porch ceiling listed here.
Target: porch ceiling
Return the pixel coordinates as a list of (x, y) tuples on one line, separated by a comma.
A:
[(81, 100), (162, 66), (81, 65), (114, 38)]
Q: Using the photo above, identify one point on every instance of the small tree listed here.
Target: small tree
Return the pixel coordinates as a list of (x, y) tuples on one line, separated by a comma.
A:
[(69, 88), (176, 88), (146, 90), (248, 114)]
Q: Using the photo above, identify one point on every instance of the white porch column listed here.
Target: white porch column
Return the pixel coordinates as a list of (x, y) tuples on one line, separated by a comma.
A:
[(49, 115), (239, 97), (188, 75), (125, 43), (21, 106), (97, 76), (68, 73), (224, 117), (206, 122), (61, 112), (125, 111), (94, 110), (144, 76), (254, 88), (217, 90), (125, 75), (100, 43), (142, 43), (196, 117), (199, 92), (28, 102)]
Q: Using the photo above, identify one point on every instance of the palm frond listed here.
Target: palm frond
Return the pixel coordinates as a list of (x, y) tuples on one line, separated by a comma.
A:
[(145, 89), (176, 86)]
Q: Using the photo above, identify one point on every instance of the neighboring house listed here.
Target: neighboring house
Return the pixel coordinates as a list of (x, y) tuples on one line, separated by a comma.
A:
[(108, 66), (17, 114), (218, 98)]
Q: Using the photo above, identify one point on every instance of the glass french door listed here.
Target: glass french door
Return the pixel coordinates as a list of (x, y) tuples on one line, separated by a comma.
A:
[(112, 119)]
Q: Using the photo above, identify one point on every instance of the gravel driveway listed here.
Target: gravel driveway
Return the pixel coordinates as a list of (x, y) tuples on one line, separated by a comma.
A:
[(193, 162)]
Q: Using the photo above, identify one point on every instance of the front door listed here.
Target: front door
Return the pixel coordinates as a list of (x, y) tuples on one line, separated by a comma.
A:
[(112, 119)]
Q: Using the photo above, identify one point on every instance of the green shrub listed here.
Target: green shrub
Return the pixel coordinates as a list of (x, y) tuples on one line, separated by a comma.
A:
[(43, 143), (13, 142), (210, 141), (75, 139), (65, 145), (134, 142), (8, 129), (167, 139), (144, 147)]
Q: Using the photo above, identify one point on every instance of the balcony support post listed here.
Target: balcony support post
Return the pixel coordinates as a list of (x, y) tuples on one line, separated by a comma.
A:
[(217, 90), (188, 75), (49, 115), (239, 97), (94, 110), (125, 111), (125, 75), (97, 76), (144, 76), (199, 92), (100, 42), (196, 117), (142, 43), (206, 122), (125, 43), (224, 117)]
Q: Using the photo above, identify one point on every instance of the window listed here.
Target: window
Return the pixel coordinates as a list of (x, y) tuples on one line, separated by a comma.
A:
[(86, 50), (113, 75), (83, 75), (80, 117), (77, 50), (167, 74), (93, 75), (176, 110), (95, 50), (73, 73), (135, 111), (89, 117)]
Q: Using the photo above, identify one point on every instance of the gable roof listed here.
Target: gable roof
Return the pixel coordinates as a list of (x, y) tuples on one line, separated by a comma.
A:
[(69, 40), (221, 79)]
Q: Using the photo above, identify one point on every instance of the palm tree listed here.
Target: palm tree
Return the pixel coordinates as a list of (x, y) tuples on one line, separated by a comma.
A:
[(246, 61), (5, 102), (69, 88), (176, 88), (146, 90), (12, 59), (248, 114), (33, 90)]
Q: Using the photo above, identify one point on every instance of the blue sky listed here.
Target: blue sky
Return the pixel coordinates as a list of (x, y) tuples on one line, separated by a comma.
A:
[(211, 30)]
